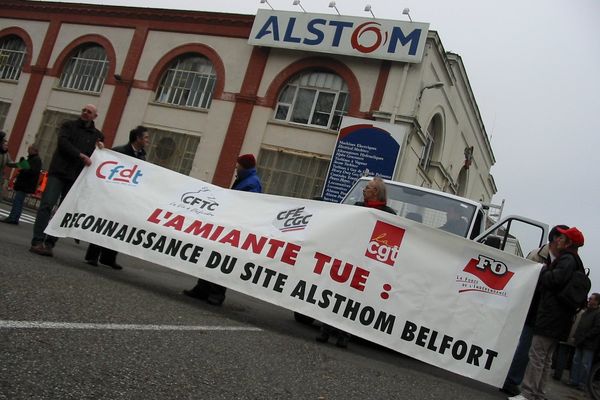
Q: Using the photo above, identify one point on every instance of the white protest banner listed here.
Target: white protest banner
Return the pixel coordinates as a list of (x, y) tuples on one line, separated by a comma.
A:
[(425, 293)]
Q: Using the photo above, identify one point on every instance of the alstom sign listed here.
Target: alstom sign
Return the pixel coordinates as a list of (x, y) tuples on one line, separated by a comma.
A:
[(334, 34)]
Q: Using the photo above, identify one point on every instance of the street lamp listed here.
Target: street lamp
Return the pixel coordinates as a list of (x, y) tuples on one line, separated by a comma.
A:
[(434, 85), (406, 12), (266, 1), (368, 9), (297, 3), (332, 5)]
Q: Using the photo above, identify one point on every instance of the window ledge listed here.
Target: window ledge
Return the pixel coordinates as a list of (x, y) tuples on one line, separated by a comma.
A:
[(10, 81), (62, 89), (183, 108), (273, 121)]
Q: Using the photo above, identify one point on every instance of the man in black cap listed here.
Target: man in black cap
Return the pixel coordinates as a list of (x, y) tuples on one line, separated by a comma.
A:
[(246, 180)]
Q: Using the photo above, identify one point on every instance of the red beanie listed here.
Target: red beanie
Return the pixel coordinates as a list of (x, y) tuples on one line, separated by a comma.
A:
[(247, 161)]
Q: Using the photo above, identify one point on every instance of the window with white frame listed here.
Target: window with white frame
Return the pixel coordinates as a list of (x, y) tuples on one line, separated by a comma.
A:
[(47, 135), (314, 98), (431, 147), (12, 55), (175, 151), (86, 69), (290, 174), (188, 82)]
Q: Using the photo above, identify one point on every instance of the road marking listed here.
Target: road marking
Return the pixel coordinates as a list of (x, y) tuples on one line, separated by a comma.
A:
[(26, 218), (127, 327)]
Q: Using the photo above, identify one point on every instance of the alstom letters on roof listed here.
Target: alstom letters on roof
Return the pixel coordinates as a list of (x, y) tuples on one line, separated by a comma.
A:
[(336, 34)]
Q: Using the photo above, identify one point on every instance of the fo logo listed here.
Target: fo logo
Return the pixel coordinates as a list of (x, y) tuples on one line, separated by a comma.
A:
[(385, 243), (112, 171), (295, 219), (494, 274)]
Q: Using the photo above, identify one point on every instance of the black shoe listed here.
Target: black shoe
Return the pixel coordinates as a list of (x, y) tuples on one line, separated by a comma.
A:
[(113, 265), (215, 301), (510, 389), (93, 263), (9, 221), (195, 295), (342, 341), (323, 337), (41, 250)]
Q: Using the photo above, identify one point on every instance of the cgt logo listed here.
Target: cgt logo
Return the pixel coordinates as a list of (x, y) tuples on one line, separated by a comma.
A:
[(494, 274), (295, 219), (385, 243), (112, 171)]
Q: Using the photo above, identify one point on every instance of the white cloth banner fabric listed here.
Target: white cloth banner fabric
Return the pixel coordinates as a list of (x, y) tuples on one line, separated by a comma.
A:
[(431, 295)]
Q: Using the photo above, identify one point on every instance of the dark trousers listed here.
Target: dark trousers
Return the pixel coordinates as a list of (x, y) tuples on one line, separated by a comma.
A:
[(520, 360), (102, 254), (56, 189), (17, 206)]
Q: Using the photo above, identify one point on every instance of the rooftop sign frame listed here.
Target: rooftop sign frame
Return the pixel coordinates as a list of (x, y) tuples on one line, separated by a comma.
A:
[(340, 34)]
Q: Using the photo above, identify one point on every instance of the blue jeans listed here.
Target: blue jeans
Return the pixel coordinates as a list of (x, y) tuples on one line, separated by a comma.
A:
[(582, 364), (517, 368), (56, 189), (17, 206)]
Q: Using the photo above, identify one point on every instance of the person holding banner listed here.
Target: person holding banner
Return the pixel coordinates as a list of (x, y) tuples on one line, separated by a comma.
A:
[(374, 196), (77, 140), (553, 318), (139, 139), (247, 180), (543, 255)]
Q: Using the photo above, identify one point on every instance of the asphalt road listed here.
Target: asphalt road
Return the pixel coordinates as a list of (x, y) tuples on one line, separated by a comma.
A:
[(72, 331)]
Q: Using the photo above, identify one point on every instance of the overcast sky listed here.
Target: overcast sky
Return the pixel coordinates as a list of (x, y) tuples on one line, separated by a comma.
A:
[(534, 67)]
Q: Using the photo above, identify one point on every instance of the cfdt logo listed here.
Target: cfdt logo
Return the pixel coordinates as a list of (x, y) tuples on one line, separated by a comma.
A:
[(112, 171), (295, 219), (385, 243), (494, 274), (199, 202)]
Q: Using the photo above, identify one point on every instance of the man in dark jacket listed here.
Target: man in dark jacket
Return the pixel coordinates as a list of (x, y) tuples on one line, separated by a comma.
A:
[(25, 183), (77, 140), (246, 180), (138, 141), (543, 255), (587, 337), (553, 319)]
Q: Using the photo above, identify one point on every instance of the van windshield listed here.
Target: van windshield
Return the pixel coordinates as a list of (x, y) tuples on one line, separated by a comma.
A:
[(431, 209)]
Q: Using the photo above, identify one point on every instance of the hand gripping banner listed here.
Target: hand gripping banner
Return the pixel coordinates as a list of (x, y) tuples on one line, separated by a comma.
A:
[(431, 295)]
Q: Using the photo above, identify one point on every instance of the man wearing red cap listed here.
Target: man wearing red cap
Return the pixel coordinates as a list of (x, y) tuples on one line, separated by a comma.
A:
[(246, 180), (553, 319)]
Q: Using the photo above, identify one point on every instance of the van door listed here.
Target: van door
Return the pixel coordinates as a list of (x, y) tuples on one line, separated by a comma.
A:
[(515, 234)]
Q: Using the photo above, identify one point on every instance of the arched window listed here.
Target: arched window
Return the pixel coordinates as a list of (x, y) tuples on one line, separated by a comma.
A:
[(315, 99), (462, 181), (12, 54), (86, 69), (433, 142), (189, 82)]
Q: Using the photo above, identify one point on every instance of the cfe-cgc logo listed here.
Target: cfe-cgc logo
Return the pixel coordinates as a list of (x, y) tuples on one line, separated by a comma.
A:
[(385, 243), (201, 201), (492, 276), (112, 171), (295, 219)]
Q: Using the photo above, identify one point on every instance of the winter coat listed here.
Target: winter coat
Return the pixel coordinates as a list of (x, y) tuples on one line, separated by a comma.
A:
[(542, 256), (383, 207), (27, 180), (74, 138), (127, 149), (553, 317), (247, 181), (587, 334)]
